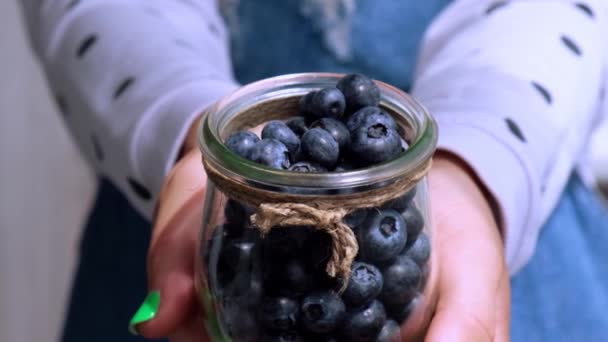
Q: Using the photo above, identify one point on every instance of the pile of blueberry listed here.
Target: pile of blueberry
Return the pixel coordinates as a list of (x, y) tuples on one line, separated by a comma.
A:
[(275, 287), (340, 128)]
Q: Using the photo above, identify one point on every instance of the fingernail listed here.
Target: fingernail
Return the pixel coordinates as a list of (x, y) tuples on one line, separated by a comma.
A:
[(146, 311)]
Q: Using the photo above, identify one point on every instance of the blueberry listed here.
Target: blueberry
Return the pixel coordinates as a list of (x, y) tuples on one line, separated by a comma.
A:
[(278, 314), (280, 131), (400, 314), (245, 290), (324, 338), (297, 277), (322, 312), (337, 130), (317, 250), (297, 125), (242, 142), (374, 143), (401, 282), (364, 285), (345, 165), (355, 218), (290, 252), (364, 324), (240, 322), (226, 270), (236, 260), (285, 242), (327, 102), (299, 156), (367, 115), (320, 147), (237, 217), (359, 91), (256, 286), (307, 167), (272, 153), (420, 251), (238, 264), (401, 203), (315, 254), (287, 336), (414, 223), (217, 237), (289, 278), (381, 236), (271, 279), (390, 332)]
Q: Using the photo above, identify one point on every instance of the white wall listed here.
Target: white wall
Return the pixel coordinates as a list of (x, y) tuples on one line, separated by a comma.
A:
[(45, 191)]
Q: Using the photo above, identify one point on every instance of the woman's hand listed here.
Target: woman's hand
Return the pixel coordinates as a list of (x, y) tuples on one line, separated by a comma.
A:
[(173, 249), (172, 252), (471, 279)]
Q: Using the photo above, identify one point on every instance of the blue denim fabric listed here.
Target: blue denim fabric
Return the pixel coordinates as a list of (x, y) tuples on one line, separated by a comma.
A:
[(110, 281), (274, 38), (560, 296)]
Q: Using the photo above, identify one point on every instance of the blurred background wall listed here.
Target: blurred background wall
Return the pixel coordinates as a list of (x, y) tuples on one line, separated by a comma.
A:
[(46, 190)]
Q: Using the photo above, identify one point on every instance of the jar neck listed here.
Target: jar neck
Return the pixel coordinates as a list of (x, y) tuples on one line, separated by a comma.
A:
[(277, 98)]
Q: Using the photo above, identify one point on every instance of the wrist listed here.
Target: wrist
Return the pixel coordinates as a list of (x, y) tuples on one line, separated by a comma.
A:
[(191, 140), (452, 171)]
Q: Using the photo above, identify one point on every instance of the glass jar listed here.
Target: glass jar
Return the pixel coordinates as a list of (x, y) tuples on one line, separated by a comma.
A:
[(315, 271)]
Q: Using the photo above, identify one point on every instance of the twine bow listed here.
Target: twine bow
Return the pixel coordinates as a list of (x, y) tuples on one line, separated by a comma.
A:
[(344, 243)]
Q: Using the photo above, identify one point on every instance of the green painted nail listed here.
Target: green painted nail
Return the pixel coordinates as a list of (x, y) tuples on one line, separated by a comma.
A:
[(146, 311)]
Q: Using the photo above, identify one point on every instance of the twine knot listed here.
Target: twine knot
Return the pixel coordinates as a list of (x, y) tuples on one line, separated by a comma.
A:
[(344, 243)]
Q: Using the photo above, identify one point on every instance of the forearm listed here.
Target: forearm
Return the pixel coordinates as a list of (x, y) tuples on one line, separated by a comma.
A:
[(132, 76), (516, 97)]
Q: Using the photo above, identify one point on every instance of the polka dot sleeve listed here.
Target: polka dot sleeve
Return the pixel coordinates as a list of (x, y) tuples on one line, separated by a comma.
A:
[(130, 77), (516, 89)]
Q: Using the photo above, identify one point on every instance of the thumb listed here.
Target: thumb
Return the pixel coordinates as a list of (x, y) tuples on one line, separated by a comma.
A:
[(473, 290), (173, 248), (473, 282)]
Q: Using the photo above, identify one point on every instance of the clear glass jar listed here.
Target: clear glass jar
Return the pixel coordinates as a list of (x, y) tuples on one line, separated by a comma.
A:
[(276, 285)]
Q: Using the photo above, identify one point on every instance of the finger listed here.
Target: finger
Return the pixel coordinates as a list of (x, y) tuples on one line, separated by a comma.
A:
[(173, 249), (469, 257), (503, 310), (469, 285), (192, 331), (186, 180)]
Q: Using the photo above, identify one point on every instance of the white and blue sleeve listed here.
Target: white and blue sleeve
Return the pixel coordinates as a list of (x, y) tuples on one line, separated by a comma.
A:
[(516, 88), (130, 77)]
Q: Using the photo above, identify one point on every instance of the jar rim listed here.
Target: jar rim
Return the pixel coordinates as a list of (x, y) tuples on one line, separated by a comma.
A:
[(216, 117)]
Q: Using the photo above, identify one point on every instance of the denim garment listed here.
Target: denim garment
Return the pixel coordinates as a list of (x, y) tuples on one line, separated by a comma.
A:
[(560, 296)]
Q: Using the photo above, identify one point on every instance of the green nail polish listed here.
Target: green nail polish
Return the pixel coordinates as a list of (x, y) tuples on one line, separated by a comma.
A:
[(146, 311)]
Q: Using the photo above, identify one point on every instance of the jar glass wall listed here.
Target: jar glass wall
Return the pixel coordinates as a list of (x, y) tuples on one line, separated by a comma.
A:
[(285, 283)]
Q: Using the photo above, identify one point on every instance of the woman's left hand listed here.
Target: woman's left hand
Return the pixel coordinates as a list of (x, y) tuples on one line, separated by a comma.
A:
[(172, 252)]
